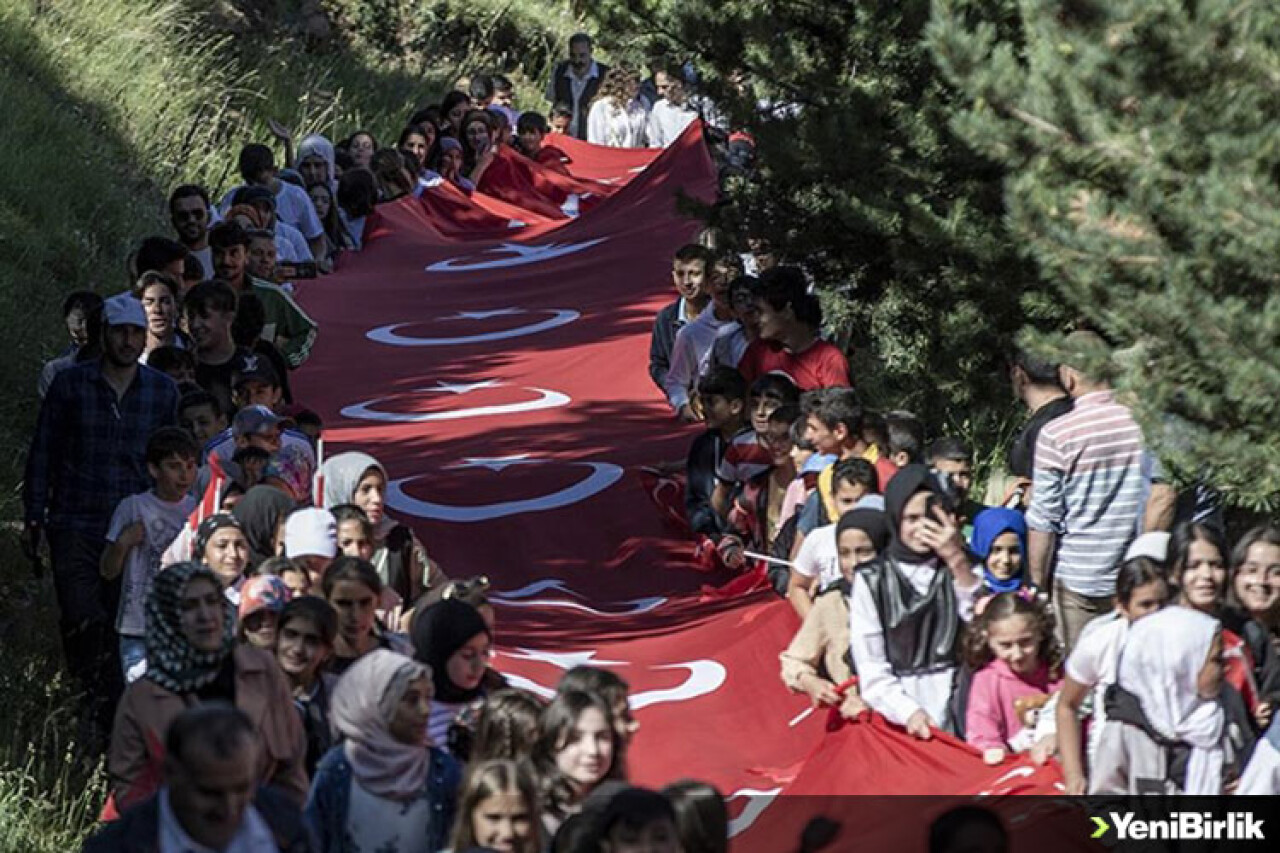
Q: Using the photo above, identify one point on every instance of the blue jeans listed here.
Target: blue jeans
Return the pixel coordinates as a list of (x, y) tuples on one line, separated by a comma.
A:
[(133, 658)]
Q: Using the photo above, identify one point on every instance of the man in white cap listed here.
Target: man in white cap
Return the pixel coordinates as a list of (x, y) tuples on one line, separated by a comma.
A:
[(89, 453)]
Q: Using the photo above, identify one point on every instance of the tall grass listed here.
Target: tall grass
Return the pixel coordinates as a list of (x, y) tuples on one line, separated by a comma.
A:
[(107, 104)]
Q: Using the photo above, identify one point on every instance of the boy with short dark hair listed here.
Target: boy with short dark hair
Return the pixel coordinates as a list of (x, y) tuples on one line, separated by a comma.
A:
[(561, 118), (724, 401), (309, 424), (503, 91), (202, 416), (691, 349), (142, 527), (210, 308), (531, 131), (952, 458), (178, 364), (835, 426), (689, 270), (747, 456), (906, 438), (286, 325), (817, 564)]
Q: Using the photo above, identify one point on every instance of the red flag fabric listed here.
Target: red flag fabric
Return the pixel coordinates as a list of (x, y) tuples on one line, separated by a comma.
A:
[(500, 375), (211, 499)]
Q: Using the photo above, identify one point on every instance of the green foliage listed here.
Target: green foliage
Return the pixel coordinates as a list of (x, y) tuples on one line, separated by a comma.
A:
[(863, 180), (1140, 139), (519, 38)]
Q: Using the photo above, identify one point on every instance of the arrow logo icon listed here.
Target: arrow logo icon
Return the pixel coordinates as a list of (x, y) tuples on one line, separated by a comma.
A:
[(1102, 825)]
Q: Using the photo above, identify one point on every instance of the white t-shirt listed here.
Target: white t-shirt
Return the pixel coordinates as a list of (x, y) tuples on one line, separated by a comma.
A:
[(295, 207), (667, 122), (819, 557), (1261, 777), (162, 523), (608, 124), (205, 257), (291, 246), (1095, 660)]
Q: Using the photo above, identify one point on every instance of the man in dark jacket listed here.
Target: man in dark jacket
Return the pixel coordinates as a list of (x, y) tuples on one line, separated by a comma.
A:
[(576, 81), (210, 799)]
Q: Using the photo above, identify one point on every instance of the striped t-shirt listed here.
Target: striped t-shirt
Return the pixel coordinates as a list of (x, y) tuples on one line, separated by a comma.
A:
[(1088, 489)]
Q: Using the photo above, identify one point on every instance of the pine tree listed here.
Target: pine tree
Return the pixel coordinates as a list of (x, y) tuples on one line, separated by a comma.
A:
[(863, 181), (1143, 155)]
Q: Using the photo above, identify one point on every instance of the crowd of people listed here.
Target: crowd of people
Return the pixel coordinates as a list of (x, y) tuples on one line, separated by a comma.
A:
[(1090, 613), (272, 661)]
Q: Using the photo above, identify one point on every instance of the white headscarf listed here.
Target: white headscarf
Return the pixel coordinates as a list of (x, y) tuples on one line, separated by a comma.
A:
[(1160, 664), (315, 145), (363, 704)]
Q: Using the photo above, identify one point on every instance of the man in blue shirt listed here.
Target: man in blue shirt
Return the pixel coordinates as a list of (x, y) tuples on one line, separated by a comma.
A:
[(88, 454)]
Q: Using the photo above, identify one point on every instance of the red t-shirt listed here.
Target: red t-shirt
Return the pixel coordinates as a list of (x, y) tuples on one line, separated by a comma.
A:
[(821, 365)]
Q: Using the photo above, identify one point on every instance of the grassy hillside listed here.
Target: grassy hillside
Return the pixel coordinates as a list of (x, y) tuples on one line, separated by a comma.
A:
[(108, 104)]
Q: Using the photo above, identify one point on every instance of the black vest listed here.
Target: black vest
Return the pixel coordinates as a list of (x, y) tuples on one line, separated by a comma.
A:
[(920, 631), (564, 92)]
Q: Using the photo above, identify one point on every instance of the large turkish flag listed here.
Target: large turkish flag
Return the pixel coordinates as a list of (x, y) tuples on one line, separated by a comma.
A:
[(493, 355)]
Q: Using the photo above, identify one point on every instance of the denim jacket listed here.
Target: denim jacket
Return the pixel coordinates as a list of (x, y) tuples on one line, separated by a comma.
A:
[(326, 809)]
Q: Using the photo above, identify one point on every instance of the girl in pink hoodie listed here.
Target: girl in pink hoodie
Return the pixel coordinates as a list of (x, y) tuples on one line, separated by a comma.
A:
[(1017, 664)]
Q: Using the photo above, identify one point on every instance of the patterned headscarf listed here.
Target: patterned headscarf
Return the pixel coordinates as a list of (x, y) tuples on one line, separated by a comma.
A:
[(210, 526), (172, 662), (291, 466)]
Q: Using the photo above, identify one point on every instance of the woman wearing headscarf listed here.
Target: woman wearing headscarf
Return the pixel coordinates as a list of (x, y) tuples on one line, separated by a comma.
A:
[(315, 162), (817, 663), (1168, 726), (907, 606), (383, 787), (1000, 540), (401, 561), (192, 657), (261, 513), (452, 638)]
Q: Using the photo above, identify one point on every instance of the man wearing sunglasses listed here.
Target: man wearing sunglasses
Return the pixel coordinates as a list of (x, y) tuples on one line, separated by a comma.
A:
[(189, 212)]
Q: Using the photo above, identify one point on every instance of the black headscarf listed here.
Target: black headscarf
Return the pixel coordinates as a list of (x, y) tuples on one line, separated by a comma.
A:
[(906, 484), (872, 522), (437, 633), (260, 512)]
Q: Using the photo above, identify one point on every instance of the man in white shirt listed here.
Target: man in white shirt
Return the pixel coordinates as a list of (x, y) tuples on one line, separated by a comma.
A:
[(292, 204), (672, 113), (576, 81)]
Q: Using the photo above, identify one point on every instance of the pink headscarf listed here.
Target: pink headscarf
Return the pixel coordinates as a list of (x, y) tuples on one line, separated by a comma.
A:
[(363, 704)]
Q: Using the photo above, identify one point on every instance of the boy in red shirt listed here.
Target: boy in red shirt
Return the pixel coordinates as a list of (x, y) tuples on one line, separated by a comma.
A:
[(790, 317)]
